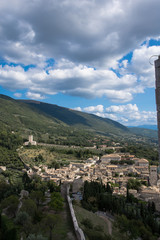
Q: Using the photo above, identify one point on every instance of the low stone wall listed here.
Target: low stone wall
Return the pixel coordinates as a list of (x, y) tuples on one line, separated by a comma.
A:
[(78, 230)]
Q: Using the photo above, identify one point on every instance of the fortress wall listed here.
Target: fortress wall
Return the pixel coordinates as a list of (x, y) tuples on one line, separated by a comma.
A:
[(78, 230)]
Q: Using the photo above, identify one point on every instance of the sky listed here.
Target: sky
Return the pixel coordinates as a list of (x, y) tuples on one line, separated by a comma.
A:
[(95, 56)]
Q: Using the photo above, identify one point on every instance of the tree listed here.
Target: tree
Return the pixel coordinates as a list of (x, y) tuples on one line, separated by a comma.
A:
[(37, 196), (50, 221), (53, 187), (56, 201), (108, 188), (11, 203), (134, 184), (87, 223), (8, 229), (22, 218), (29, 206), (4, 188), (36, 237)]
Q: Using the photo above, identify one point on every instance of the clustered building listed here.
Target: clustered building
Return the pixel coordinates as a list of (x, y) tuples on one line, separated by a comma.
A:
[(95, 169)]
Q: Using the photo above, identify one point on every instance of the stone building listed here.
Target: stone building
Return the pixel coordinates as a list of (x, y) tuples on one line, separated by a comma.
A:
[(153, 175), (30, 141), (110, 157)]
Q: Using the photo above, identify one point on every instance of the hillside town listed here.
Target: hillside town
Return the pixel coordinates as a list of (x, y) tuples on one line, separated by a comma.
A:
[(107, 170), (114, 169)]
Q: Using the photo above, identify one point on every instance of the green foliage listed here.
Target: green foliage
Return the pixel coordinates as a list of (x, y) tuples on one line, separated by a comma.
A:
[(133, 228), (37, 196), (29, 206), (11, 203), (132, 209), (54, 164), (22, 218), (50, 222), (39, 159), (8, 230), (53, 187), (87, 223), (5, 189), (141, 151), (145, 132), (122, 162), (109, 151), (37, 185), (8, 154), (134, 184), (36, 237), (94, 232), (53, 124), (94, 235), (56, 202)]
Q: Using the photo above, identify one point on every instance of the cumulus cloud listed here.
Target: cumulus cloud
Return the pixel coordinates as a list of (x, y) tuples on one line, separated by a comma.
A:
[(129, 108), (78, 80), (86, 39), (18, 95), (92, 32), (128, 114), (33, 95), (141, 65), (92, 109), (78, 109)]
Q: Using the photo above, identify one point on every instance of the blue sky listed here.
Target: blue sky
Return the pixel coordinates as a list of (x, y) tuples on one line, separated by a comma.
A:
[(92, 56)]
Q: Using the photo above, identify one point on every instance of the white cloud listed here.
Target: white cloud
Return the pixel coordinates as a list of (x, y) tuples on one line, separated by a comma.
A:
[(129, 108), (79, 34), (18, 95), (128, 114), (93, 109), (37, 96), (76, 80), (92, 32), (78, 109), (141, 66)]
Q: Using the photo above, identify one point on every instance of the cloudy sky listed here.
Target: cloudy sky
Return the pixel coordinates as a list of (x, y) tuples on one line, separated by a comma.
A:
[(89, 55)]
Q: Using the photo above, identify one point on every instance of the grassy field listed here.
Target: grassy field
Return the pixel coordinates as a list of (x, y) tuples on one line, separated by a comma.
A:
[(64, 229), (97, 221), (28, 155)]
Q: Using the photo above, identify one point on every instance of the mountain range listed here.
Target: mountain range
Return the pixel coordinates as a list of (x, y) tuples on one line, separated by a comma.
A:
[(39, 118), (152, 127)]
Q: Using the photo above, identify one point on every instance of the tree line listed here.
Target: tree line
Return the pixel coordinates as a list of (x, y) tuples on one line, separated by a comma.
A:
[(97, 196)]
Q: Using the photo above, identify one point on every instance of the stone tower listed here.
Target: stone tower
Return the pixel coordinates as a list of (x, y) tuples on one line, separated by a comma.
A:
[(157, 74), (153, 175)]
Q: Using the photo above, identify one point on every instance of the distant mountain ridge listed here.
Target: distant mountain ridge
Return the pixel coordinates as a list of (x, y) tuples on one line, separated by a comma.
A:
[(40, 119), (152, 127), (144, 132), (77, 118), (44, 117)]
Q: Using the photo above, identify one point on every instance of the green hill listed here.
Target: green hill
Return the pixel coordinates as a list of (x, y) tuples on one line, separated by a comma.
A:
[(54, 124), (78, 119), (144, 132), (19, 116)]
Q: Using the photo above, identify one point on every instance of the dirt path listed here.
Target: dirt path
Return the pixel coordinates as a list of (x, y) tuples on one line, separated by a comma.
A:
[(109, 224), (107, 220)]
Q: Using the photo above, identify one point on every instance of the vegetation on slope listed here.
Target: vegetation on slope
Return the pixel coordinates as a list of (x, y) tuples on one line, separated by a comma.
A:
[(58, 125), (141, 151), (145, 132), (78, 119), (134, 218), (36, 218)]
